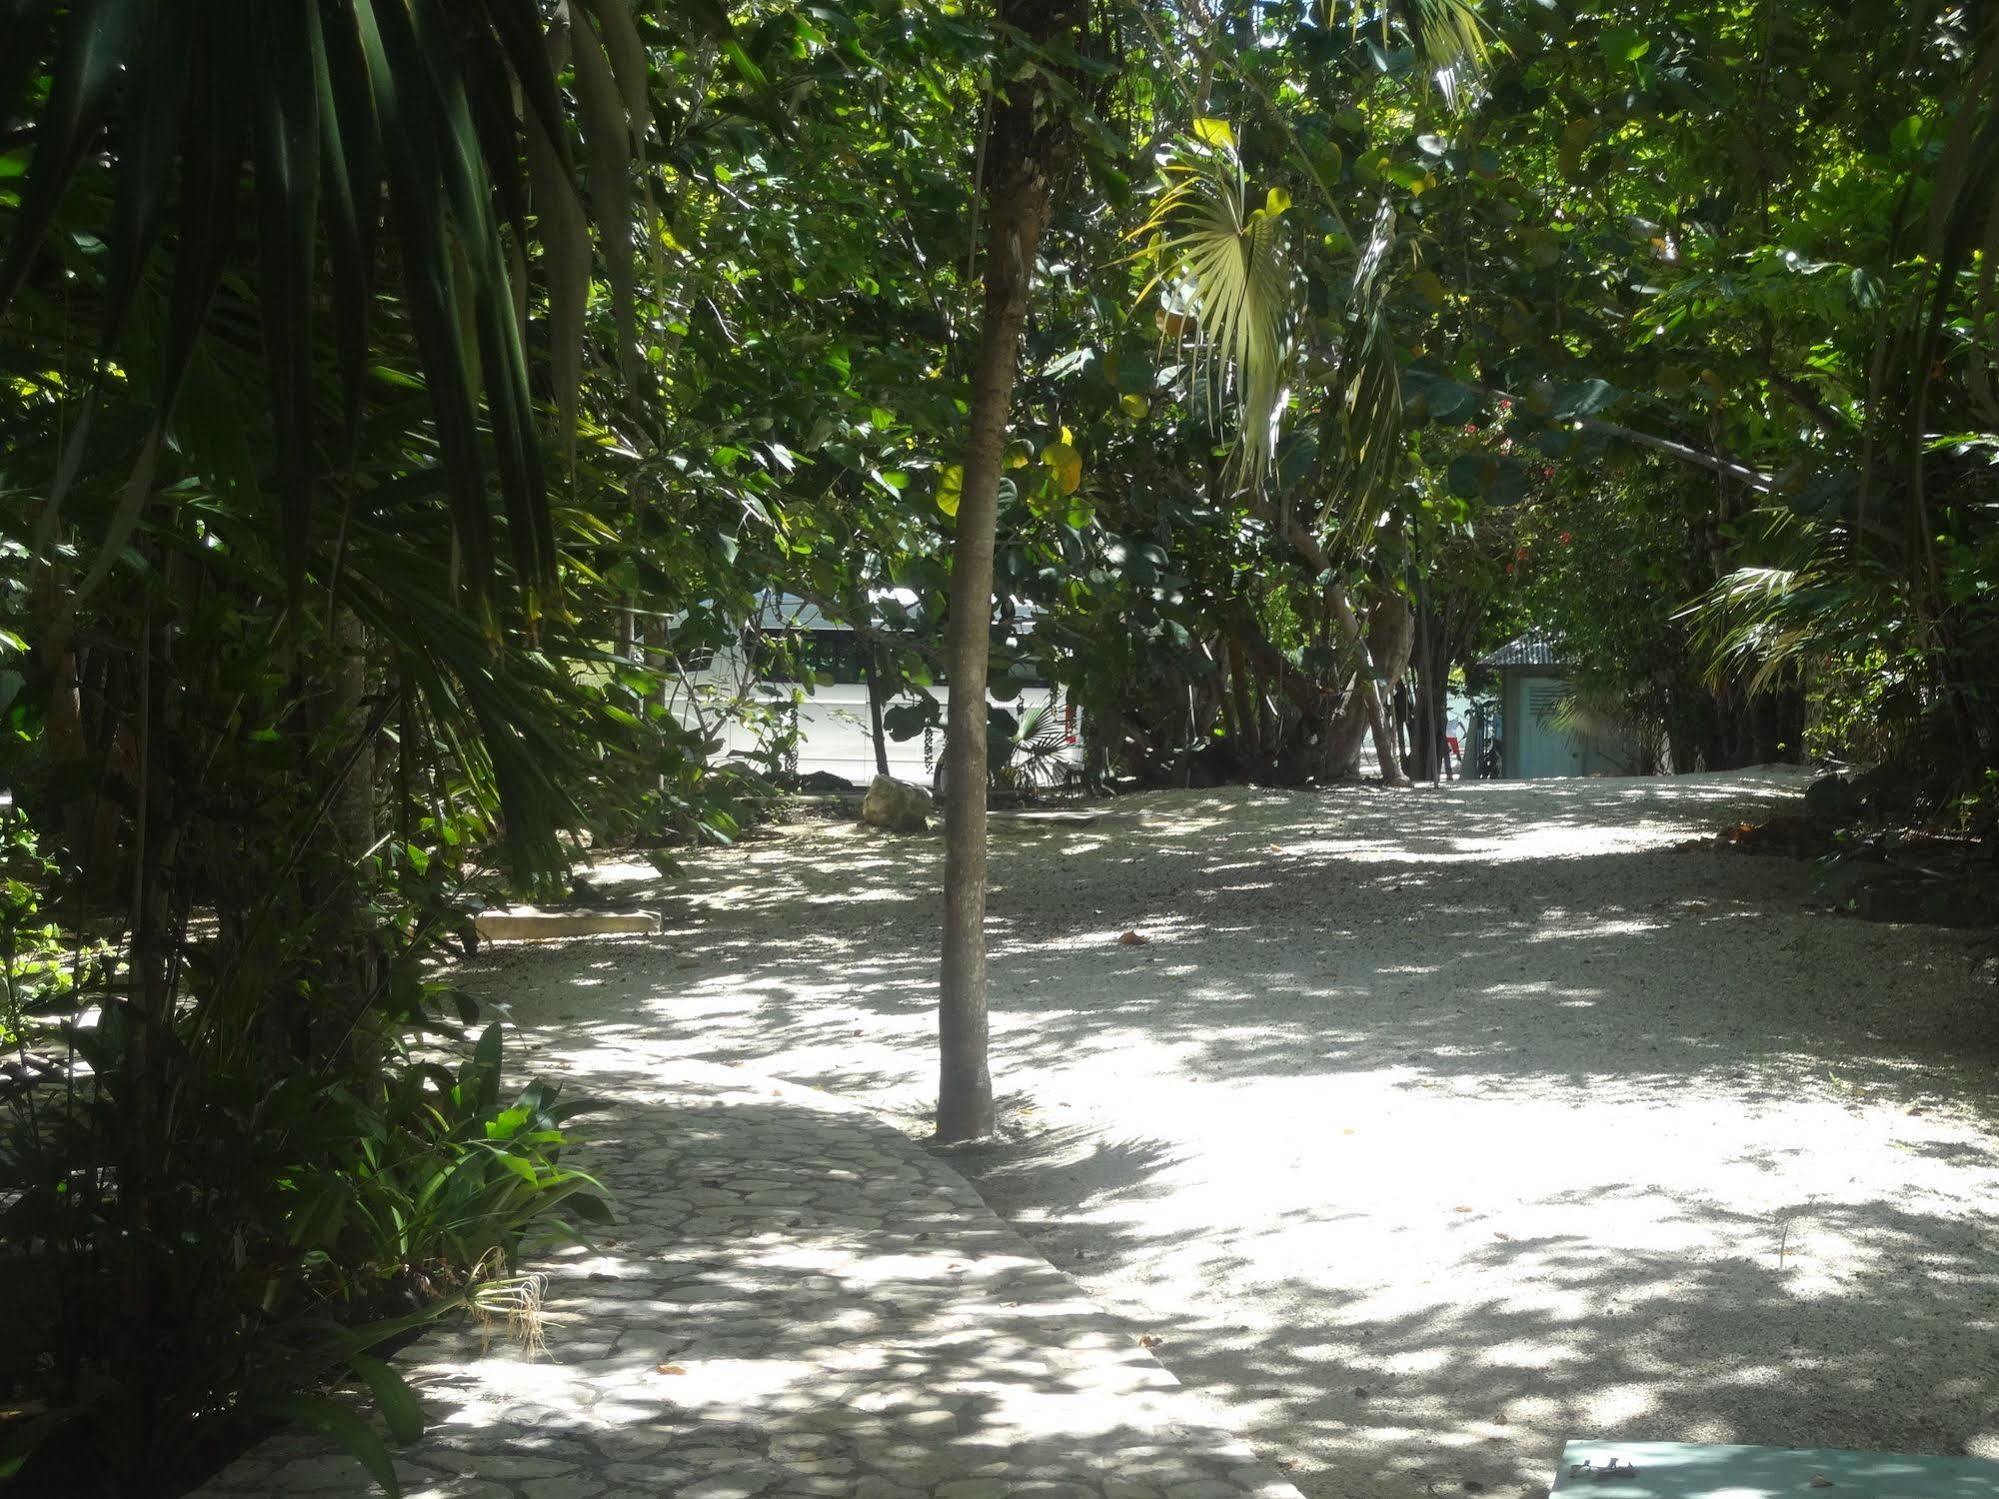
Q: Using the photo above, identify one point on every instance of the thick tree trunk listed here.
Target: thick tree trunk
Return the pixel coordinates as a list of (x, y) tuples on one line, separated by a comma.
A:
[(1384, 647), (1375, 665), (1026, 144)]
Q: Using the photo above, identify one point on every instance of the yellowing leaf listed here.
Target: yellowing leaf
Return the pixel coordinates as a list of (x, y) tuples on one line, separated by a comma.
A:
[(1214, 132), (1135, 406), (950, 485), (1066, 437), (1276, 201), (1065, 463), (1019, 453)]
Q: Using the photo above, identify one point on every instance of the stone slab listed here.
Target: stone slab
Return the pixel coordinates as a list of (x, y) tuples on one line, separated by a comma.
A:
[(532, 924), (1693, 1470)]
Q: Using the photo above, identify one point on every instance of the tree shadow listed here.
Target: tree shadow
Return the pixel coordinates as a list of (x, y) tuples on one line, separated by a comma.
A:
[(794, 1300), (1495, 1105)]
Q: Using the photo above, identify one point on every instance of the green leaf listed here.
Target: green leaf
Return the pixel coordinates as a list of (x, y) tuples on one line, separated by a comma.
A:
[(950, 487), (1066, 464), (1623, 44), (1466, 475), (1213, 132), (393, 1396), (330, 1418)]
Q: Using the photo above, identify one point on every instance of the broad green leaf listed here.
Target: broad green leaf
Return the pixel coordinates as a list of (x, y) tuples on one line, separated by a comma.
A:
[(951, 487), (1623, 44), (1214, 132), (1066, 464)]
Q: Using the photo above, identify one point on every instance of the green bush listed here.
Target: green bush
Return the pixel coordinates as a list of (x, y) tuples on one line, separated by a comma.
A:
[(197, 1243)]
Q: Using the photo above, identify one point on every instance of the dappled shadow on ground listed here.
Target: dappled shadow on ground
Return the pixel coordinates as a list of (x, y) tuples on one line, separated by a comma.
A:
[(1427, 1130), (794, 1299)]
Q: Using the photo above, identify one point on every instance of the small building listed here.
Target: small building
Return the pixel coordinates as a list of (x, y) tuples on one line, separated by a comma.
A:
[(1536, 737), (799, 677)]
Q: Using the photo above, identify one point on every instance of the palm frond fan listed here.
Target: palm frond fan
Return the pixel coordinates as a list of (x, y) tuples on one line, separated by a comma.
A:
[(1227, 285)]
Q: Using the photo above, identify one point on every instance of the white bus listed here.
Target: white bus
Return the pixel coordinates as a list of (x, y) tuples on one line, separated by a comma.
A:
[(739, 697)]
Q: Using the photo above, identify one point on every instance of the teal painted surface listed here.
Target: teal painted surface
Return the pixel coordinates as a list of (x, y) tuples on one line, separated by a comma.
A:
[(1535, 747), (1686, 1470)]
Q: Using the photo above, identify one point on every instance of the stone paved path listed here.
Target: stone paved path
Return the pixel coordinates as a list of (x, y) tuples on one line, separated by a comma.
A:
[(797, 1301)]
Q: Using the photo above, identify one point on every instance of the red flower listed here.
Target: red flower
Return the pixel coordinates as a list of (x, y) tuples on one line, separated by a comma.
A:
[(1565, 538)]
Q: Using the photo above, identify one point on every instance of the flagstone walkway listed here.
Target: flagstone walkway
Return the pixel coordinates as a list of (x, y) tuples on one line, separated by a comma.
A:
[(797, 1301)]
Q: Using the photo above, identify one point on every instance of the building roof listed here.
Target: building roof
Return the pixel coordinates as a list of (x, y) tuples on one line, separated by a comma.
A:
[(1534, 648)]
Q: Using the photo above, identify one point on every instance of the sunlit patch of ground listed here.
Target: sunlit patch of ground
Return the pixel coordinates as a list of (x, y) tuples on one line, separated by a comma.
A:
[(1426, 1130)]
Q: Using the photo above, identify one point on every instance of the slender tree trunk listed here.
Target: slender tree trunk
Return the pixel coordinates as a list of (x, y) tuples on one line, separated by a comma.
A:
[(350, 962), (876, 692), (1026, 144)]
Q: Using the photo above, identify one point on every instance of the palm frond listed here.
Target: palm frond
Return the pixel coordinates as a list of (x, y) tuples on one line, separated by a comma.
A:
[(1224, 263), (309, 112)]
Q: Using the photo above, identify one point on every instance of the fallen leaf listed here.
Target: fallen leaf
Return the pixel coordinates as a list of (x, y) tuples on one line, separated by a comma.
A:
[(1697, 908), (1349, 1130), (1132, 939), (1820, 1481), (1498, 1235), (1149, 1341), (668, 1369), (1463, 1209), (1360, 1392)]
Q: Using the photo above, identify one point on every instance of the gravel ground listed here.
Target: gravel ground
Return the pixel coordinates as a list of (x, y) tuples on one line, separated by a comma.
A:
[(1425, 1130)]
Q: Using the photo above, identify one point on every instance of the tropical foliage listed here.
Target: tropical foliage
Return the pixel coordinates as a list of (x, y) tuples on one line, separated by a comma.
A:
[(403, 399)]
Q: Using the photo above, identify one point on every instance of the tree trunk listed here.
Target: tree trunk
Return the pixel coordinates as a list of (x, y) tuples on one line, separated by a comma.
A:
[(349, 961), (1367, 691), (876, 692), (1026, 143), (1383, 647)]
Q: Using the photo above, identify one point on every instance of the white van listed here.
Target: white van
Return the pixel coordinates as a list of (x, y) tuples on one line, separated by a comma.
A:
[(735, 697)]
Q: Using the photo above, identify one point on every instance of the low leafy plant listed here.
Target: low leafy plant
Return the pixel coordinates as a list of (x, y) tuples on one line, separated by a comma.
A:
[(174, 1297)]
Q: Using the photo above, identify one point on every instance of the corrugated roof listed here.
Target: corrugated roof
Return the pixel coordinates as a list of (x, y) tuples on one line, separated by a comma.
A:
[(1532, 649)]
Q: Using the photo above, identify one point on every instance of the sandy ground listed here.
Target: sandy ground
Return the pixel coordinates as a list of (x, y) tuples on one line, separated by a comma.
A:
[(1426, 1130)]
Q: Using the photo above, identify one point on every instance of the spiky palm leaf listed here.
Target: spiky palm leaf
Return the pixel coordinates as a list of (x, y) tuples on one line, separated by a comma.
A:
[(248, 144), (1360, 431), (1225, 262)]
